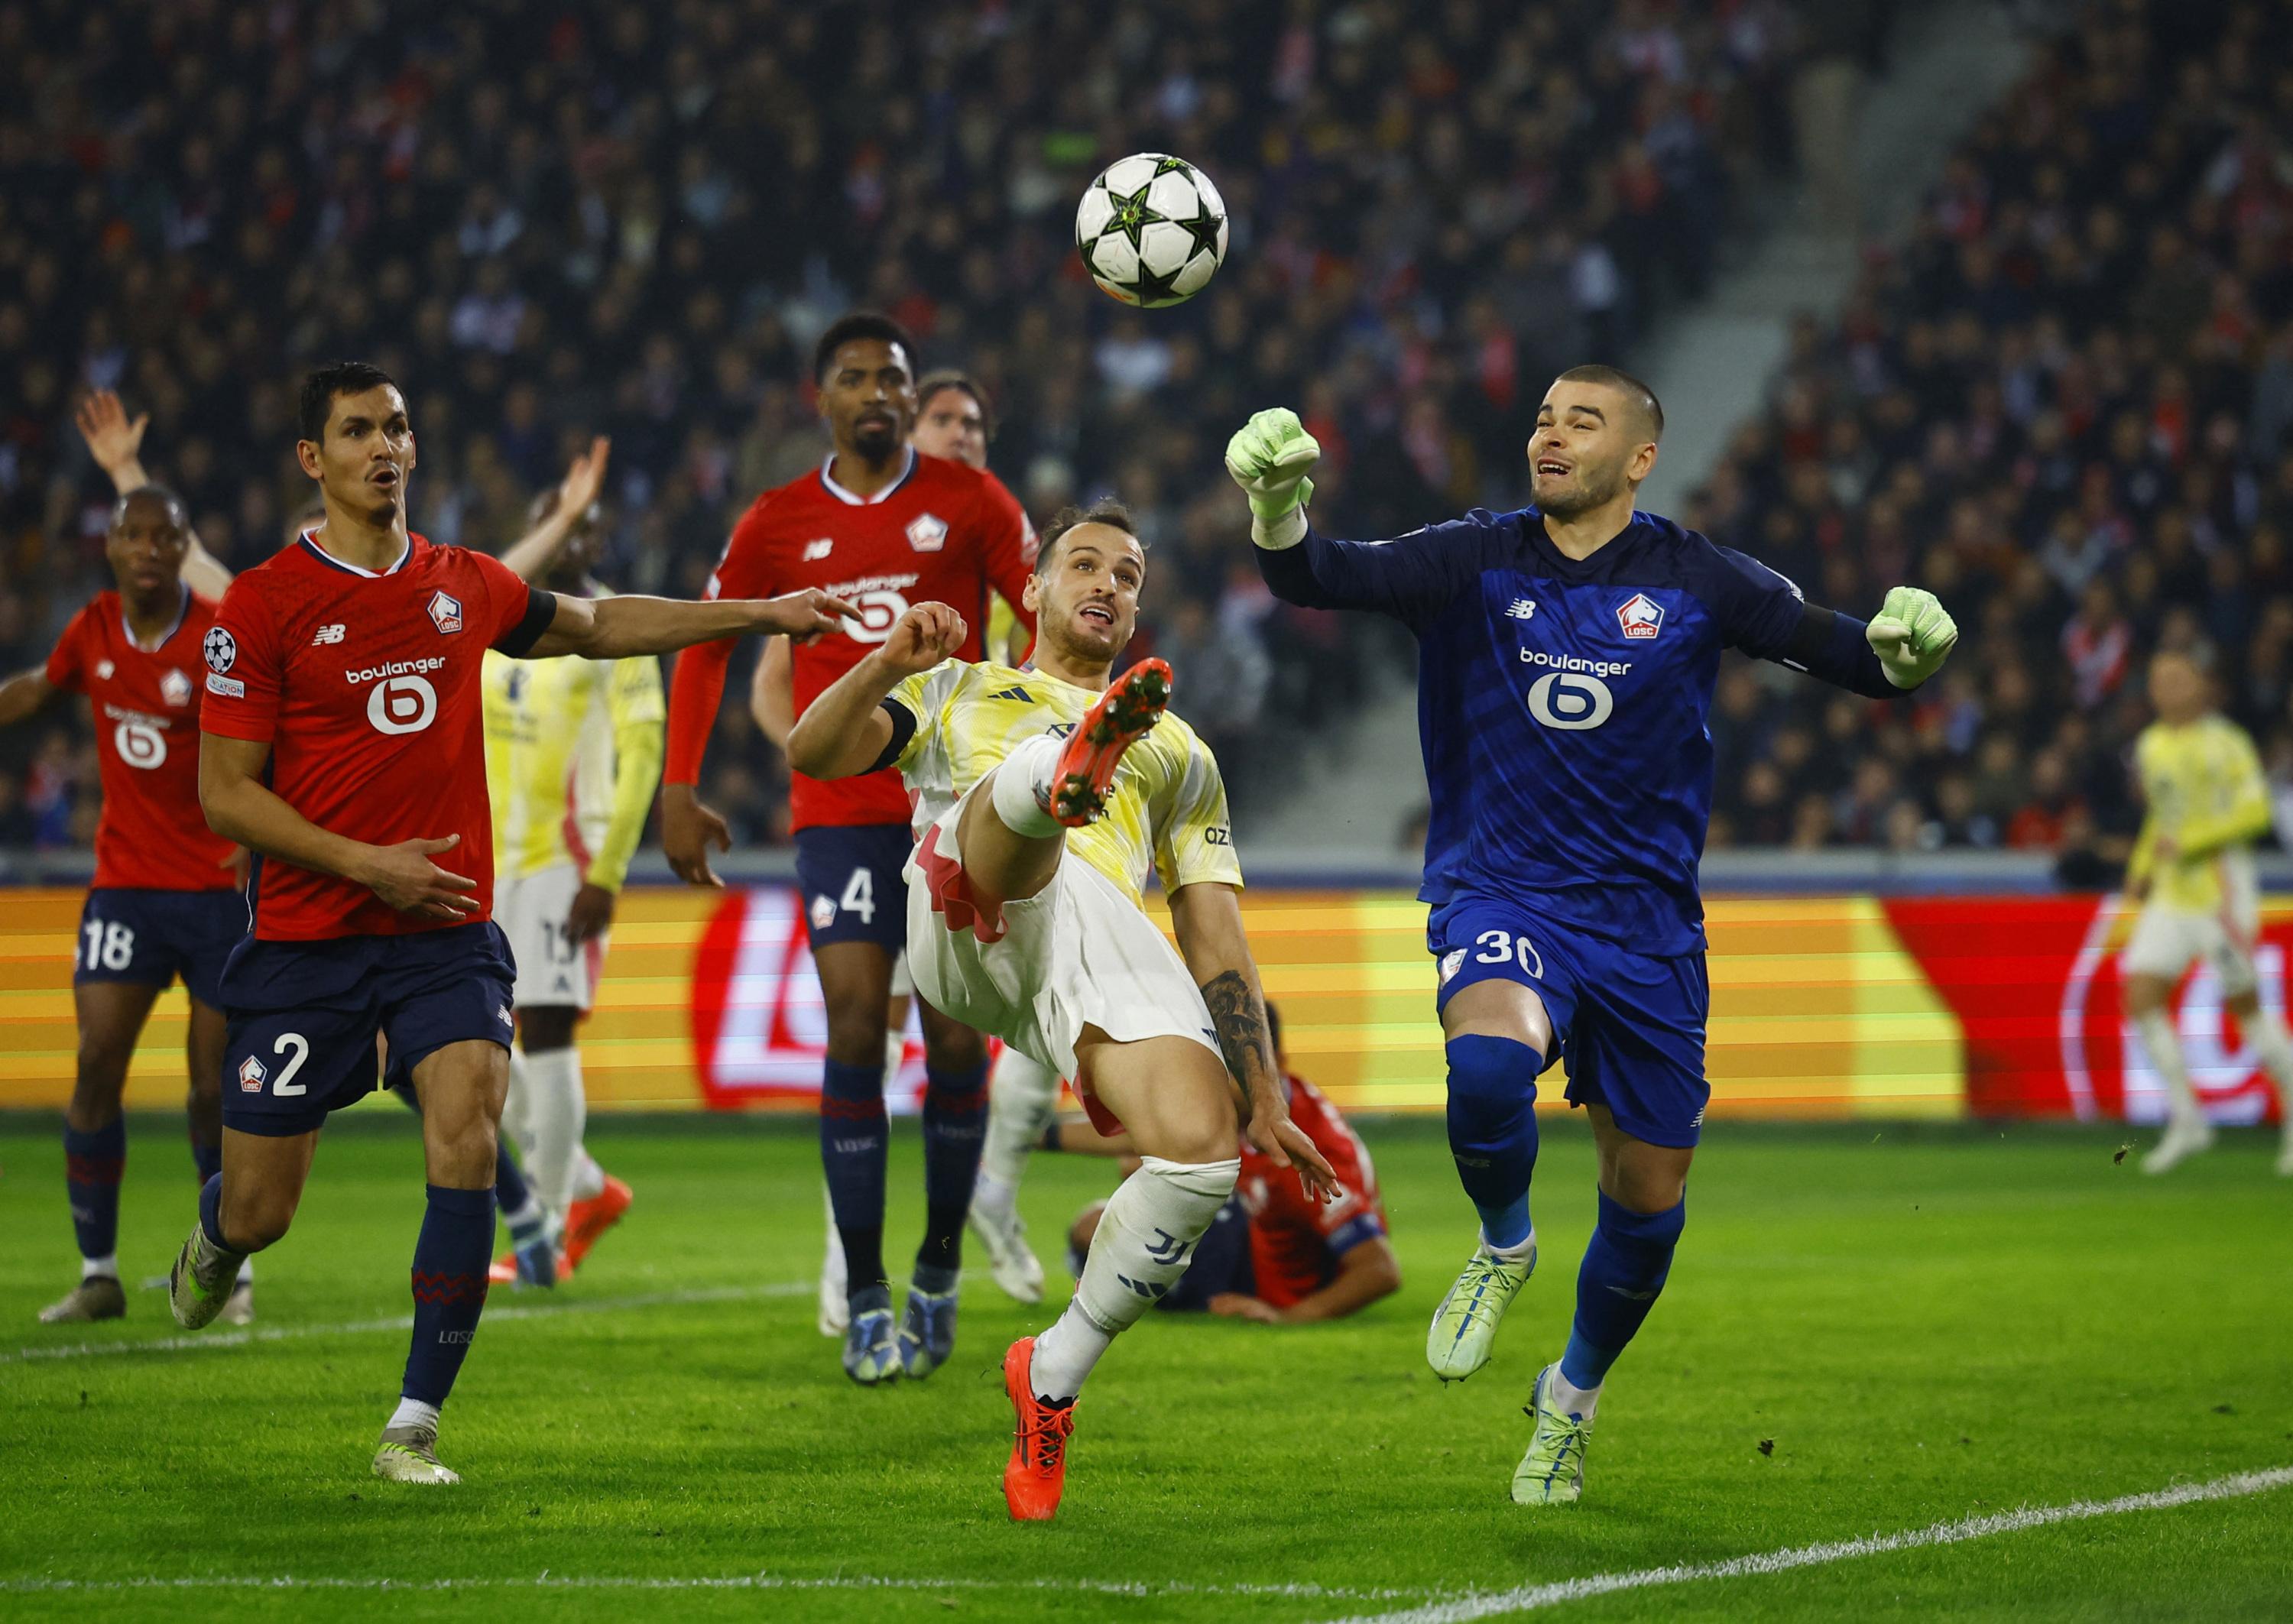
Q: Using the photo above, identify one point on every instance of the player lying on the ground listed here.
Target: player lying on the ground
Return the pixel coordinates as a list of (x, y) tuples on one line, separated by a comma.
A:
[(1271, 1255), (166, 899), (1046, 797), (573, 753), (886, 525), (1566, 660), (340, 740), (2192, 877), (952, 421)]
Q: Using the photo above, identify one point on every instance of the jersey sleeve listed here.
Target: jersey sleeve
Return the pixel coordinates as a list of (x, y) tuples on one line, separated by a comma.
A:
[(67, 666), (697, 689), (918, 708), (1412, 577), (246, 668), (1766, 615), (1194, 833), (636, 709), (516, 612), (2241, 811), (1006, 543)]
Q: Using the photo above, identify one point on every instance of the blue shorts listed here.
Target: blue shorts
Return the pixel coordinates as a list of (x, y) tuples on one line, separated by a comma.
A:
[(303, 1015), (151, 937), (852, 881), (1221, 1263), (1631, 1025)]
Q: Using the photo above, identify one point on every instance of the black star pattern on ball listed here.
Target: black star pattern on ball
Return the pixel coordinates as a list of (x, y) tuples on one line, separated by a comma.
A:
[(1131, 213), (1152, 288)]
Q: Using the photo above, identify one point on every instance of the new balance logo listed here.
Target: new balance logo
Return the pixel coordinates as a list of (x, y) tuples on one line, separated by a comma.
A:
[(816, 550), (1020, 694), (1522, 609), (326, 634)]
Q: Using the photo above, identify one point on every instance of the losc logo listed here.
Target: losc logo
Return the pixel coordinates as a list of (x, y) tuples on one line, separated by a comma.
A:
[(1639, 616), (251, 1076), (402, 705), (1570, 700), (445, 613), (928, 532), (175, 688)]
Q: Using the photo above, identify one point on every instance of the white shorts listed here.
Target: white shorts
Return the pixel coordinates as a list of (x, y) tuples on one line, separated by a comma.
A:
[(551, 970), (1078, 953), (2167, 940)]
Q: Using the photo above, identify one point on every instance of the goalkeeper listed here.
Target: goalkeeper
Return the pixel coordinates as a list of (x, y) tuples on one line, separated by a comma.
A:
[(1566, 660)]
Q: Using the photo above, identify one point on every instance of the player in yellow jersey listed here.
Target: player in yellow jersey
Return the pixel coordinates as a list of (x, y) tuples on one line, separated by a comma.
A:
[(2193, 875), (1047, 796), (573, 756)]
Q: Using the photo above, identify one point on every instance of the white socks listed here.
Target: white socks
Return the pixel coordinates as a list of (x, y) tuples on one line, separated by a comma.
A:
[(106, 1267), (1514, 1254), (1570, 1400), (1022, 782), (413, 1412), (514, 1120), (555, 1112), (1022, 1094), (2276, 1047), (1145, 1241), (2163, 1044)]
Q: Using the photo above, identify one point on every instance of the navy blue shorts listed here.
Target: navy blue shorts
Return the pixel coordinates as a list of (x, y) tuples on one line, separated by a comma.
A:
[(1221, 1263), (151, 937), (1631, 1025), (851, 878), (303, 1015)]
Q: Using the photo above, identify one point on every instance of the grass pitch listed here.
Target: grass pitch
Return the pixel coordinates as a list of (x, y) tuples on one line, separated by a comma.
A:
[(1866, 1332)]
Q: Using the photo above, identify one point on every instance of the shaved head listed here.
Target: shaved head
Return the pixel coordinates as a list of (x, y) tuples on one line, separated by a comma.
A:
[(1647, 411)]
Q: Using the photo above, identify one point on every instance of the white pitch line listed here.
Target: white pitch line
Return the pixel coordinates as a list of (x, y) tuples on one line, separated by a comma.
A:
[(1529, 1598), (402, 1322), (1143, 1590)]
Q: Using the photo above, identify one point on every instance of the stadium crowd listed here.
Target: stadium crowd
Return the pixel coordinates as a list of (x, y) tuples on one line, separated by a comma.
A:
[(2063, 404), (551, 222)]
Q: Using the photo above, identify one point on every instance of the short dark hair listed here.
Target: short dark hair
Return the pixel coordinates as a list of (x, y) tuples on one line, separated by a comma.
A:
[(1616, 378), (177, 512), (954, 377), (325, 383), (1107, 511), (858, 324)]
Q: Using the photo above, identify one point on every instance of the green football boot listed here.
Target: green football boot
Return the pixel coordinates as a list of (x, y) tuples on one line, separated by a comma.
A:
[(410, 1455), (1552, 1472), (1465, 1326), (203, 1281)]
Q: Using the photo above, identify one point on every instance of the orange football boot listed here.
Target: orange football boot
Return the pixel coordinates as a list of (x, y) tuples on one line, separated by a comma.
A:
[(586, 1222), (1037, 1472), (1125, 714)]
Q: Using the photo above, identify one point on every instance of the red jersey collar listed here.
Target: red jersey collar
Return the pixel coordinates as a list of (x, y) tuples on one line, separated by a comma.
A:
[(845, 496), (309, 539), (183, 608)]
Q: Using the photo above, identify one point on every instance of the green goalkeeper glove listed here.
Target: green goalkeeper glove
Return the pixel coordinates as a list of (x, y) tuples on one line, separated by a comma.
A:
[(1912, 635), (1269, 458)]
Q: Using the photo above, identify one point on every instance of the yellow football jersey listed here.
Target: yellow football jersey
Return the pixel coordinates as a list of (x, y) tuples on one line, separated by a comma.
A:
[(2206, 791), (1166, 812), (573, 755)]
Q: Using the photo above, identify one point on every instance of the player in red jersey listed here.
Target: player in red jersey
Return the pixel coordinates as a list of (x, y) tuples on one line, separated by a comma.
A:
[(885, 526), (341, 740), (1272, 1255), (165, 902)]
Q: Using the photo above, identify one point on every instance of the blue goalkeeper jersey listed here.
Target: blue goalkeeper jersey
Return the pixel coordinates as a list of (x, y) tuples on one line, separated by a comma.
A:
[(1563, 705)]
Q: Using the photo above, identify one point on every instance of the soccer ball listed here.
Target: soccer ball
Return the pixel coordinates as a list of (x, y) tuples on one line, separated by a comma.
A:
[(1151, 229)]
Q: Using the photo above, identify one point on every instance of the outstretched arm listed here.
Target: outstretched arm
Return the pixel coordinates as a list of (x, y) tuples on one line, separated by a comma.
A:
[(1207, 919), (116, 444), (614, 628), (530, 555), (24, 693), (847, 731)]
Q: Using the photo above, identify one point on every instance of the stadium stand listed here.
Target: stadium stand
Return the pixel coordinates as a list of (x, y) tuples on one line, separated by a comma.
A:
[(2062, 404), (554, 221)]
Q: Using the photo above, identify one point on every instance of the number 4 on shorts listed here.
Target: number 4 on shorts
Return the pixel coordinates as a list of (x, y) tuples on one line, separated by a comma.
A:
[(859, 896)]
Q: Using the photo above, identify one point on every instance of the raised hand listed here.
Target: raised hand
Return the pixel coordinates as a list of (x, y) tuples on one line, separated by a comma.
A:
[(927, 634), (805, 615), (584, 479), (1269, 458), (1912, 635), (403, 877), (112, 439)]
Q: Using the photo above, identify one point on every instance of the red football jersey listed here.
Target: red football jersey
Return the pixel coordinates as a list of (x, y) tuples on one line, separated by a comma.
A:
[(943, 532), (152, 834), (366, 687), (1295, 1245)]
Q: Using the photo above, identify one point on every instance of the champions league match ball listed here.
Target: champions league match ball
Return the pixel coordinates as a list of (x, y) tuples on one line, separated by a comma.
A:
[(1151, 229)]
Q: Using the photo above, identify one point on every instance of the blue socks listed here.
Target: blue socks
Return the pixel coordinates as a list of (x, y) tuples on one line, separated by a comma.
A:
[(955, 1128), (853, 1139), (1624, 1270), (449, 1288), (93, 1164), (1493, 1130)]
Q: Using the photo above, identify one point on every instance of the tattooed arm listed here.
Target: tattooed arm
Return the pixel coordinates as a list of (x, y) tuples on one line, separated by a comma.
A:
[(1207, 920)]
